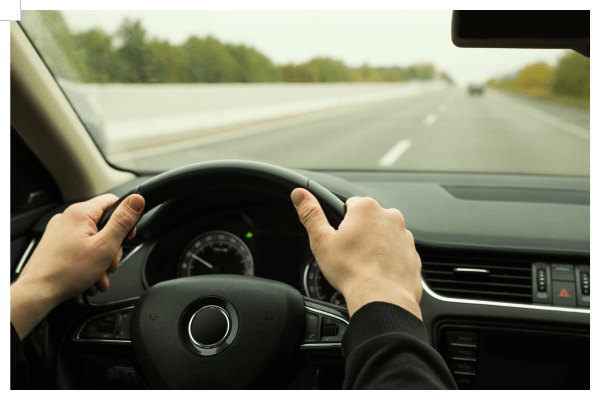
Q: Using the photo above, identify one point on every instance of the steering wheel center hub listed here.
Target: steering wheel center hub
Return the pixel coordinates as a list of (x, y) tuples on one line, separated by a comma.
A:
[(209, 327), (216, 331)]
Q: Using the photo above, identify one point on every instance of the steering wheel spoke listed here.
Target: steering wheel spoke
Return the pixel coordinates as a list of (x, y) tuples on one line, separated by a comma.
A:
[(324, 325), (108, 327)]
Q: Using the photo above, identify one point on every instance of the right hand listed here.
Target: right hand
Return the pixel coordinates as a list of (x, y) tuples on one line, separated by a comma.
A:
[(371, 256)]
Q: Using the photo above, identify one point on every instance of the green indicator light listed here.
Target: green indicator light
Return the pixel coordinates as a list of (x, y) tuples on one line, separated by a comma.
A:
[(249, 235)]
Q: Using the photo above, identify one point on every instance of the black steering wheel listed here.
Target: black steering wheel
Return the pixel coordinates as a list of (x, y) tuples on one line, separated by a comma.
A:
[(219, 331)]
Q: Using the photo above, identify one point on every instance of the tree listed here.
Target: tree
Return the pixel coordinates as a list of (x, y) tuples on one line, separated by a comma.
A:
[(365, 72), (170, 64), (252, 66), (572, 76), (210, 61), (52, 37), (535, 77), (299, 73), (136, 52), (99, 54)]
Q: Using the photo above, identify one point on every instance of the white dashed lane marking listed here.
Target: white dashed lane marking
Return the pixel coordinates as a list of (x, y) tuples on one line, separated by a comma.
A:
[(395, 153), (431, 118)]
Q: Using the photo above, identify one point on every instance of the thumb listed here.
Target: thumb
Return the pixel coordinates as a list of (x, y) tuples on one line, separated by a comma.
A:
[(123, 220), (312, 217)]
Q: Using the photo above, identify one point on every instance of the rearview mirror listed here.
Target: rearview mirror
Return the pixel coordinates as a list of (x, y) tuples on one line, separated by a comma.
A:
[(523, 29)]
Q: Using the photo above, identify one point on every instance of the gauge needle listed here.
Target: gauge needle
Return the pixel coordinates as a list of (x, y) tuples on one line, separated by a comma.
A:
[(202, 261)]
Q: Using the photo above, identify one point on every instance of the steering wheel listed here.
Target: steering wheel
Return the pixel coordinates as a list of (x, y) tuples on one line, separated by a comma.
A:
[(218, 331)]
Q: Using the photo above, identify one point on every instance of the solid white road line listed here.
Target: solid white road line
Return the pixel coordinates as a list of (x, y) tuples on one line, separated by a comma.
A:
[(431, 118), (395, 153)]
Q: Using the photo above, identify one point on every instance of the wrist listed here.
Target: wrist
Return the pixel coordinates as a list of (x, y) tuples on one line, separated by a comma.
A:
[(29, 304), (363, 293)]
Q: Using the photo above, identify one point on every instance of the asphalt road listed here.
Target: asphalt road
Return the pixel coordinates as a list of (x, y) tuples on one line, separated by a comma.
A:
[(447, 131)]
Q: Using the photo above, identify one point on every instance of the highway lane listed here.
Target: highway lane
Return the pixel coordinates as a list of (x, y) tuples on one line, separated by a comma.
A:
[(446, 131)]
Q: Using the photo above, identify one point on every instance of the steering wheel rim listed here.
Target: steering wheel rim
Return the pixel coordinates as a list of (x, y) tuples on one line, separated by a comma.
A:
[(273, 300)]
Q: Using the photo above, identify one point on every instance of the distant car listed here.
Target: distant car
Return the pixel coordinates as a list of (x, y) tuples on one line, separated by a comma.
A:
[(475, 89)]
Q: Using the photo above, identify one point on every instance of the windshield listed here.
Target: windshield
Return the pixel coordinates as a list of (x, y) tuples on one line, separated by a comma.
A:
[(320, 90)]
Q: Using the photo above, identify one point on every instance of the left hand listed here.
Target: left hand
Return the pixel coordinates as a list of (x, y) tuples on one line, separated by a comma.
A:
[(72, 255)]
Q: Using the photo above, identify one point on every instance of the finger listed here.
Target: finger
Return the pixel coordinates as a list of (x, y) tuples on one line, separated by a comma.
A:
[(123, 220), (133, 232), (114, 264), (102, 283), (312, 217), (99, 204)]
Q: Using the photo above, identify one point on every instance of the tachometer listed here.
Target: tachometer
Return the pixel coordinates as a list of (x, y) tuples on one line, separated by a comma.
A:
[(317, 287), (216, 252)]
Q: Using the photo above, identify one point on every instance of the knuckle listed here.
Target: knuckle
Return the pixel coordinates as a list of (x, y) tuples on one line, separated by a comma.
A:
[(308, 213), (370, 202), (124, 220), (55, 219), (396, 214)]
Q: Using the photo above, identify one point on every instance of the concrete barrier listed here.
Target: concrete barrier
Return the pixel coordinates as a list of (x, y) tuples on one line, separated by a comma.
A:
[(135, 111)]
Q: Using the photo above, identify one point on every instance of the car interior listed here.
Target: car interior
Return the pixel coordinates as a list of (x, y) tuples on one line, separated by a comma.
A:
[(505, 258)]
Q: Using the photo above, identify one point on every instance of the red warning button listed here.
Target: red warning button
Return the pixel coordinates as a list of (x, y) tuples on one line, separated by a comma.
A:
[(563, 294)]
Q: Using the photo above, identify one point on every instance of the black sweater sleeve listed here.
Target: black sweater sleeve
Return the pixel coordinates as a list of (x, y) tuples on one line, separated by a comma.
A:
[(19, 371), (386, 347)]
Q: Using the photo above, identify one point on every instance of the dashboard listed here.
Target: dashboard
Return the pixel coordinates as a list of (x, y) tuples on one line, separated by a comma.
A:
[(240, 241), (506, 262)]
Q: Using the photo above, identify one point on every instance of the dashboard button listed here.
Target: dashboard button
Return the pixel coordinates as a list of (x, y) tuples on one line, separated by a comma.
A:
[(564, 294), (562, 272), (91, 330), (462, 351), (463, 366), (464, 338)]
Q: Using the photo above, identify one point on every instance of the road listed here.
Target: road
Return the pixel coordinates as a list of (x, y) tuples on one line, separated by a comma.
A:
[(447, 131)]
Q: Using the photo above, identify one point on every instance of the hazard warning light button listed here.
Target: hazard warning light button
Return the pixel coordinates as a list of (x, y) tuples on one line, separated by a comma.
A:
[(564, 294)]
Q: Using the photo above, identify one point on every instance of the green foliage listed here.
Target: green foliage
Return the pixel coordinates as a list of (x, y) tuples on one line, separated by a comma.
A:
[(568, 83), (572, 76), (252, 66), (136, 52), (94, 57), (210, 61), (52, 37), (170, 63), (328, 70), (534, 77), (98, 54), (297, 73)]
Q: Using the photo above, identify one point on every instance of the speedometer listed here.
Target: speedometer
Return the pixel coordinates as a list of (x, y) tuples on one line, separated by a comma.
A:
[(317, 287), (216, 252)]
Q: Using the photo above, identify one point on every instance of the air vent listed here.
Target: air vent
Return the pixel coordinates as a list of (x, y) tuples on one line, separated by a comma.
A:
[(479, 279)]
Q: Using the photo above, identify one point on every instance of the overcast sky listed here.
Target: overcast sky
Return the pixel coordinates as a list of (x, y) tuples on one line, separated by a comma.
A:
[(380, 38)]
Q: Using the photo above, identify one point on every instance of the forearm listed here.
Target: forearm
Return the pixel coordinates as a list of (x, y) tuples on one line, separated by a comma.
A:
[(29, 304)]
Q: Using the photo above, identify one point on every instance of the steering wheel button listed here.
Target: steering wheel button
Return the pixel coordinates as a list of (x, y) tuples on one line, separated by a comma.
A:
[(329, 330), (311, 321), (107, 326)]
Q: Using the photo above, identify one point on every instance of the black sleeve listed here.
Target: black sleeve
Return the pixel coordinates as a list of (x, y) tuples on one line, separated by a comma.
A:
[(19, 372), (386, 347)]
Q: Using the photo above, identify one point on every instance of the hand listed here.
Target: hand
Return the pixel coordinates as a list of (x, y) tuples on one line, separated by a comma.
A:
[(371, 256), (72, 256)]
